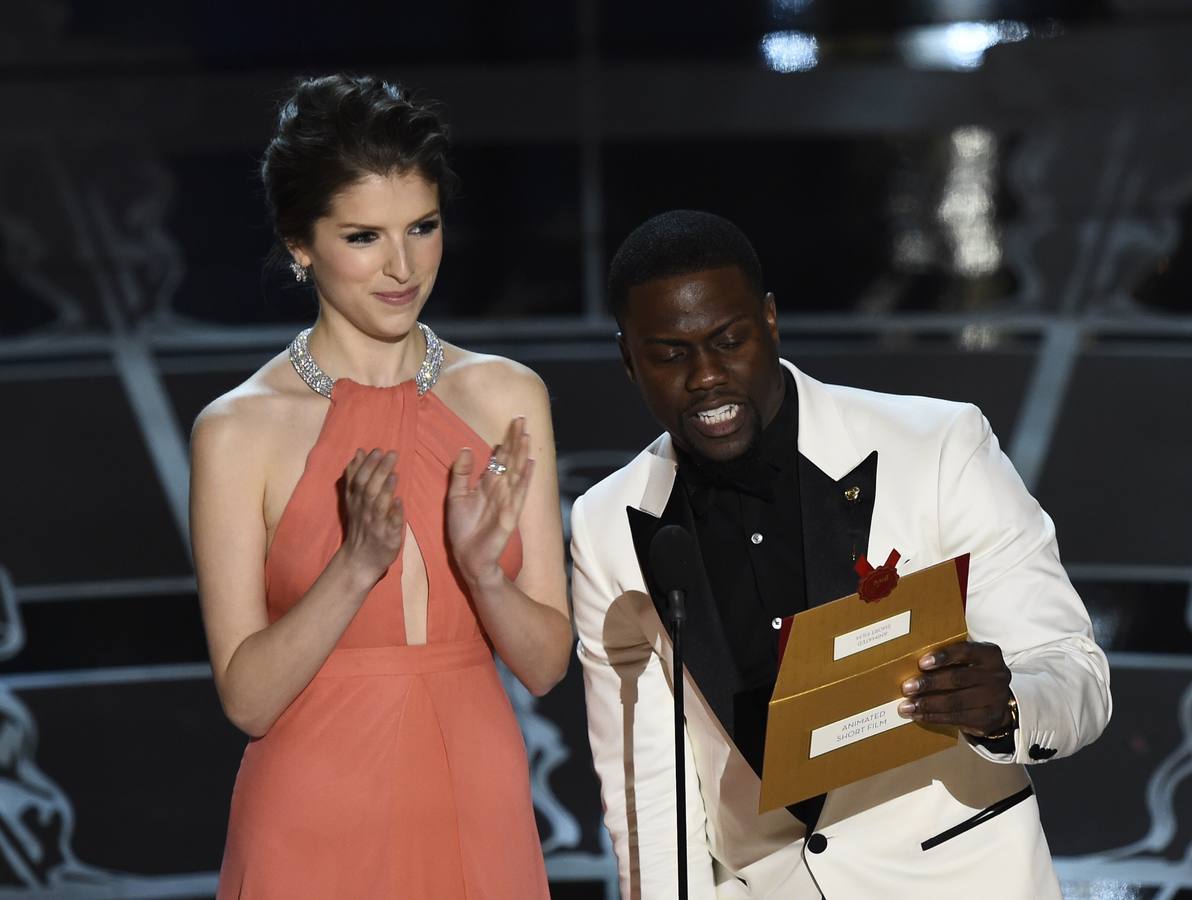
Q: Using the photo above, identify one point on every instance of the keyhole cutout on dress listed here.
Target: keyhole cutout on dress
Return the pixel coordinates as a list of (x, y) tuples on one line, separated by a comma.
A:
[(414, 589)]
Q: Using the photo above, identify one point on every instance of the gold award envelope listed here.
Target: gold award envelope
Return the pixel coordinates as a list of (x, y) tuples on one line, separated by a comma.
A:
[(834, 714)]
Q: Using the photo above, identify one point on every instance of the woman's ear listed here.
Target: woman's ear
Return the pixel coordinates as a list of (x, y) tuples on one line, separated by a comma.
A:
[(299, 255)]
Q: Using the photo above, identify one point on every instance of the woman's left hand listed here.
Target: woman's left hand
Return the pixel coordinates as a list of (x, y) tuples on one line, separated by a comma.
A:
[(481, 519)]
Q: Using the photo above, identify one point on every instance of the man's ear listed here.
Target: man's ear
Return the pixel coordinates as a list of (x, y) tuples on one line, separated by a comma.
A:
[(626, 361), (770, 314)]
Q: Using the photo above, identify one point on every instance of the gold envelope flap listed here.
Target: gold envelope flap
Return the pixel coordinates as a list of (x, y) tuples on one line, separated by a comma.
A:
[(933, 597)]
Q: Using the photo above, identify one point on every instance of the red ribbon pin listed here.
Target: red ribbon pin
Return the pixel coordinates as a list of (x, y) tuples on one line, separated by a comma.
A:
[(879, 582)]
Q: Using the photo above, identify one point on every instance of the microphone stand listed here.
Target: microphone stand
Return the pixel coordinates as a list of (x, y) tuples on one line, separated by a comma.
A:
[(678, 615)]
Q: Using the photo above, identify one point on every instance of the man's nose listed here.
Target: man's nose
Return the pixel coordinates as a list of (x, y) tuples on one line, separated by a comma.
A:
[(706, 371)]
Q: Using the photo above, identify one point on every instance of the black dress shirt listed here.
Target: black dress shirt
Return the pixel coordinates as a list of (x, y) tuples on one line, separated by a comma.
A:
[(749, 525)]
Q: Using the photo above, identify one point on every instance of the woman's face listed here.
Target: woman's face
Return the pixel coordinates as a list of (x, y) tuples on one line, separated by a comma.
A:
[(375, 255)]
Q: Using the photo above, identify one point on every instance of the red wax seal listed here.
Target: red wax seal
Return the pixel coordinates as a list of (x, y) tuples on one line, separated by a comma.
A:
[(879, 582)]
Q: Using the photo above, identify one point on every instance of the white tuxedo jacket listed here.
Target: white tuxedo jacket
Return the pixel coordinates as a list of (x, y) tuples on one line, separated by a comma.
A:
[(962, 822)]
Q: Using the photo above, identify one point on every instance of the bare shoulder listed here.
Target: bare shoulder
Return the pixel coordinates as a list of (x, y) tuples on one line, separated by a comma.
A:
[(490, 389), (475, 371), (254, 414)]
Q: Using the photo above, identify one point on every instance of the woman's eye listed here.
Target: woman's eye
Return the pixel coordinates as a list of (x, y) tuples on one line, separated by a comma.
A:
[(361, 237), (425, 227)]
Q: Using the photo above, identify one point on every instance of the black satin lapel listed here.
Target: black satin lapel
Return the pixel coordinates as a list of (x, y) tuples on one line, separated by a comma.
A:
[(837, 516), (644, 526), (706, 654)]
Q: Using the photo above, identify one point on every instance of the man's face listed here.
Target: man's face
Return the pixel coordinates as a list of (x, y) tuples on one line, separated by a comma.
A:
[(703, 350)]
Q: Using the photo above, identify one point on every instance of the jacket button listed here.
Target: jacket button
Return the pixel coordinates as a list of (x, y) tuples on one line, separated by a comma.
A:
[(817, 843)]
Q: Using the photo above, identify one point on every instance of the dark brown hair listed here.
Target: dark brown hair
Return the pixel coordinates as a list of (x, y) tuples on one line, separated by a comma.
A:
[(335, 130)]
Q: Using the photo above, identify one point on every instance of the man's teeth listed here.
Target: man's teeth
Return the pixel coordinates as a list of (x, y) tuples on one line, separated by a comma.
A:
[(718, 415)]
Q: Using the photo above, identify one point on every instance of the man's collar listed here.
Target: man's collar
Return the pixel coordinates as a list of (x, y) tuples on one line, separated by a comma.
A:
[(756, 472), (824, 441)]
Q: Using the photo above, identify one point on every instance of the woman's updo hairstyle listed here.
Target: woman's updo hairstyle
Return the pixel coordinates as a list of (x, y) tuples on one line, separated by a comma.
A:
[(337, 129)]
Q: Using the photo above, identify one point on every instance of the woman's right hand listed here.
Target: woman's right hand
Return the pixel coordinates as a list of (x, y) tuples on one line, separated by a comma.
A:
[(376, 522)]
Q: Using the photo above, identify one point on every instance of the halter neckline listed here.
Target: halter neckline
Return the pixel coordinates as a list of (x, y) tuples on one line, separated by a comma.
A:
[(322, 383)]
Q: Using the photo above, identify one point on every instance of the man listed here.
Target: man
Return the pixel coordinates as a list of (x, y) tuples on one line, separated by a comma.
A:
[(785, 482)]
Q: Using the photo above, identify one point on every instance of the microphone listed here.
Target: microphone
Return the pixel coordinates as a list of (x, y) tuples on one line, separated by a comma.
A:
[(674, 560)]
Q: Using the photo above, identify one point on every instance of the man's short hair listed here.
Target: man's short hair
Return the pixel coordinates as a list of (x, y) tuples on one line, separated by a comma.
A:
[(679, 242)]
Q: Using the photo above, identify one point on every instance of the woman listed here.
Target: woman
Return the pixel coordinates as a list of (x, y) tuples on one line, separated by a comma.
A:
[(373, 512)]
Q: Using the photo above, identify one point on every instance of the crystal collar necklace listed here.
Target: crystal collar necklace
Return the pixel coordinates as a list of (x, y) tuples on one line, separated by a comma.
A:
[(322, 383)]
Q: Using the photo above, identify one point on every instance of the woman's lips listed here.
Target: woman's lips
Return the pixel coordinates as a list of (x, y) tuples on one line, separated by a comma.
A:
[(396, 298)]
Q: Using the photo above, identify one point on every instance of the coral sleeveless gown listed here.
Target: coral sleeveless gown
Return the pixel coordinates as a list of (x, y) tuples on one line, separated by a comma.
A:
[(399, 771)]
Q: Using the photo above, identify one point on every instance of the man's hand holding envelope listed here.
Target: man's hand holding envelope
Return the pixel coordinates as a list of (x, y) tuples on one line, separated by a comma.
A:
[(878, 679), (965, 685)]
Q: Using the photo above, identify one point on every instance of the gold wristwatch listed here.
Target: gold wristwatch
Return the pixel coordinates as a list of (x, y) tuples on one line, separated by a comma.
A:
[(1009, 729)]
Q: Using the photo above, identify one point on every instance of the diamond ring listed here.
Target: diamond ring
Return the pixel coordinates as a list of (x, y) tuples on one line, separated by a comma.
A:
[(495, 467)]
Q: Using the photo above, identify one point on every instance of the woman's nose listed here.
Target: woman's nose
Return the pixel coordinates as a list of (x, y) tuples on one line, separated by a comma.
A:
[(398, 264)]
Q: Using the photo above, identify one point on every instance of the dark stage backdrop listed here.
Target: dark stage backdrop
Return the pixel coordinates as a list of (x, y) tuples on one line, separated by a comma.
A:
[(988, 202)]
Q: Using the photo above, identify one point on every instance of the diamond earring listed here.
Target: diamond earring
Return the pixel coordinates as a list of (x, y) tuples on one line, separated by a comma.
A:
[(301, 272)]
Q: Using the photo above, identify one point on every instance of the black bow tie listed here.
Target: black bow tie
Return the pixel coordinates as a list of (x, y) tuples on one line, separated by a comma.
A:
[(751, 476)]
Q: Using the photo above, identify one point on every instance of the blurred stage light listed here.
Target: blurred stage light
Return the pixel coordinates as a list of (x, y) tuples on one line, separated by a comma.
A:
[(913, 250), (967, 208), (788, 7), (790, 51), (958, 46), (977, 336)]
